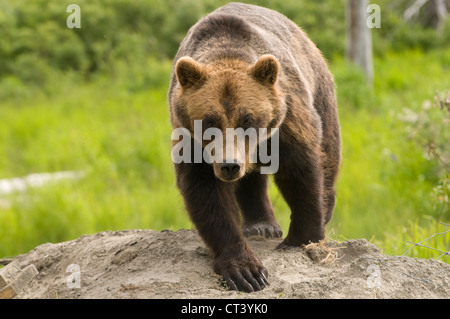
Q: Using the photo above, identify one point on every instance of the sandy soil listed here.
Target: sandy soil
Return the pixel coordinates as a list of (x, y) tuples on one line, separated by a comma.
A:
[(153, 264)]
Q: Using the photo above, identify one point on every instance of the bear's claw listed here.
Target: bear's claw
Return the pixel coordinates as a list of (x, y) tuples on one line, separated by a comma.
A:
[(245, 280), (267, 230), (247, 275)]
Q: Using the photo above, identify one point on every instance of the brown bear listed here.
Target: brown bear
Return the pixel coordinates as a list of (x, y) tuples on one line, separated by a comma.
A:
[(244, 66)]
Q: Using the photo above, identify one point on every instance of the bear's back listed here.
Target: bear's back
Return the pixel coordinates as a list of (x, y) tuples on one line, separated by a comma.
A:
[(260, 30)]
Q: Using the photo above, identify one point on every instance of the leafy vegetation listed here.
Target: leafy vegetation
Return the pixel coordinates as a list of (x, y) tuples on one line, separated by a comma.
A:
[(94, 100)]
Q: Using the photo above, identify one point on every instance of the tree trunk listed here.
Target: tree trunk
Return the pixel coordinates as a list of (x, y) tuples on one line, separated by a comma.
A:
[(359, 38), (430, 13)]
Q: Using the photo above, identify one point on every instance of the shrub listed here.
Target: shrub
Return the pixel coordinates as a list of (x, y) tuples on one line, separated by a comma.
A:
[(430, 129)]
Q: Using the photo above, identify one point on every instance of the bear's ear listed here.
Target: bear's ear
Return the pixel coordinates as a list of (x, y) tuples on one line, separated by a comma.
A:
[(188, 71), (265, 70)]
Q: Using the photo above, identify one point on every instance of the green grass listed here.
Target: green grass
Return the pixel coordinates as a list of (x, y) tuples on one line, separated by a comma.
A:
[(117, 131), (121, 140)]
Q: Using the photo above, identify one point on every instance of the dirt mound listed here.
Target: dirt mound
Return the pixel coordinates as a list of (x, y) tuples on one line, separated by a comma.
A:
[(153, 264)]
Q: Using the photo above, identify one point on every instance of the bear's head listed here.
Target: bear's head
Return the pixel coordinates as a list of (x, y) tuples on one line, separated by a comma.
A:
[(227, 96)]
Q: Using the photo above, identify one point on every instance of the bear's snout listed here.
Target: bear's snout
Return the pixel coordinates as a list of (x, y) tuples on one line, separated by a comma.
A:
[(230, 169)]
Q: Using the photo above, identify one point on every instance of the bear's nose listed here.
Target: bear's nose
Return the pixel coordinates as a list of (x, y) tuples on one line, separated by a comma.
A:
[(230, 169)]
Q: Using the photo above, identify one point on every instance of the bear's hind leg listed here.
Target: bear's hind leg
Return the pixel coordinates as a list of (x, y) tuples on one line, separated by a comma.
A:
[(252, 197)]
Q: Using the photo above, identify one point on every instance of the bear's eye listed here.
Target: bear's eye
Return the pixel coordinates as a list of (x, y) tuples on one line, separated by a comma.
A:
[(208, 122), (247, 121)]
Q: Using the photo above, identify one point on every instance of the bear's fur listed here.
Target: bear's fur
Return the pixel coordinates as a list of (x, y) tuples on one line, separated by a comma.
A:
[(247, 66)]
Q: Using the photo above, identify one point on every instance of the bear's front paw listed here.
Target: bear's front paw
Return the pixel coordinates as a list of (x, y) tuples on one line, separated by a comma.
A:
[(242, 275), (264, 229)]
